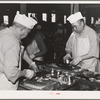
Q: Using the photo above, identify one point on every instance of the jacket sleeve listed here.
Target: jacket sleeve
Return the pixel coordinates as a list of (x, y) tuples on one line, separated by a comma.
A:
[(68, 47), (94, 44), (11, 49)]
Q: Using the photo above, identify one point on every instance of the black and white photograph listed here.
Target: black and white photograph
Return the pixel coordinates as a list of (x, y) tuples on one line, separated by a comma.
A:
[(50, 48)]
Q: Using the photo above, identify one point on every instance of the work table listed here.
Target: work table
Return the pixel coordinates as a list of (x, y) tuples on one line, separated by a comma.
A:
[(70, 78)]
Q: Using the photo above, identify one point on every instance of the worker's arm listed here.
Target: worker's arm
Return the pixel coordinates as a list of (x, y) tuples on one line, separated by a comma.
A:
[(32, 64), (11, 50), (41, 45), (68, 49)]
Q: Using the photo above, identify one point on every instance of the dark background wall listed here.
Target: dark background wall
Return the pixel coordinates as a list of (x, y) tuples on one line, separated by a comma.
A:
[(49, 28)]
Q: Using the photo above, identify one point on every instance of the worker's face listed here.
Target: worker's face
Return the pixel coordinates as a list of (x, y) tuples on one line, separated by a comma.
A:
[(78, 26), (25, 32)]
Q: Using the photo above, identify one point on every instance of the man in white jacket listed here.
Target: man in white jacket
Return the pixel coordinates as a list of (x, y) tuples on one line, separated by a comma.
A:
[(83, 44), (11, 52)]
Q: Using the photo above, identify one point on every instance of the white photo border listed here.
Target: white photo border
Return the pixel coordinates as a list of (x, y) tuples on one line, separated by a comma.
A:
[(50, 94)]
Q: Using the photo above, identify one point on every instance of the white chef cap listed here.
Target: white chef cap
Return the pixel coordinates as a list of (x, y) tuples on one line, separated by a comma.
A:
[(25, 21), (75, 17)]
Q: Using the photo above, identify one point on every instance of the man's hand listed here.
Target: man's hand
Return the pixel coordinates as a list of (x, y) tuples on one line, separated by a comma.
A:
[(32, 56), (34, 67), (76, 61), (66, 57), (28, 73)]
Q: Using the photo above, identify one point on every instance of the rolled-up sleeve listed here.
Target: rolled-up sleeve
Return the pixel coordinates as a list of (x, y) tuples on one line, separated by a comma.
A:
[(11, 55), (69, 45)]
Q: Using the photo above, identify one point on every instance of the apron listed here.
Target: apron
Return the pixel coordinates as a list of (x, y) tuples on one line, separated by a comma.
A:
[(5, 84), (81, 46)]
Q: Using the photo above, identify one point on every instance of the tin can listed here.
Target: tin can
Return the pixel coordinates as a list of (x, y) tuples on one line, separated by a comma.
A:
[(69, 79), (52, 72), (67, 61), (58, 73)]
